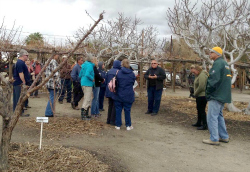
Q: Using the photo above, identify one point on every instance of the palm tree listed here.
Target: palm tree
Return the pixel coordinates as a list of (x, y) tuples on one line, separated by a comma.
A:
[(35, 39)]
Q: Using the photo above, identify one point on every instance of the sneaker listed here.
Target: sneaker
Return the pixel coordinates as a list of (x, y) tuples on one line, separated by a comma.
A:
[(210, 142), (25, 115), (28, 106), (153, 114), (61, 102), (118, 128), (101, 110), (224, 140), (148, 112), (196, 125), (76, 108), (130, 128)]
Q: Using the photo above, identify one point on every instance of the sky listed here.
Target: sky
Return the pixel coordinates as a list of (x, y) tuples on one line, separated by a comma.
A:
[(56, 19)]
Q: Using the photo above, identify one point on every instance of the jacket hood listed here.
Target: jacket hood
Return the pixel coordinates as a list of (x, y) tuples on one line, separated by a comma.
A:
[(126, 70), (117, 64)]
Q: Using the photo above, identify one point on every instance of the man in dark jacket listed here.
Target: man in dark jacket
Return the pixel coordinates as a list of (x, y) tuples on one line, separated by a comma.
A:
[(103, 74), (155, 76), (77, 89), (218, 92)]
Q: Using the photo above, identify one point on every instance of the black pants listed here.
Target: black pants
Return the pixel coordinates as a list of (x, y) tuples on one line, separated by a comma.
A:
[(201, 103), (111, 112), (77, 92)]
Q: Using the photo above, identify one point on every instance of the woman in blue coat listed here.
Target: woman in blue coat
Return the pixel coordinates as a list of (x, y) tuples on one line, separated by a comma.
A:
[(111, 109), (124, 96)]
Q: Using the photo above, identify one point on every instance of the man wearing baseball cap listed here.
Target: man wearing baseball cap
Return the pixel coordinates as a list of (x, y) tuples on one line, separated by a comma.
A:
[(218, 92), (21, 77)]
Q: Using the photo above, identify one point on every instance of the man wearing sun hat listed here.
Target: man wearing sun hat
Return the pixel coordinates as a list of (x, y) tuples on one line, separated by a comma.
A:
[(218, 92)]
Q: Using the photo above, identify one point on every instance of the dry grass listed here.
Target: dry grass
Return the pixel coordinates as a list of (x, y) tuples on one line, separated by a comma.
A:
[(64, 126), (188, 106)]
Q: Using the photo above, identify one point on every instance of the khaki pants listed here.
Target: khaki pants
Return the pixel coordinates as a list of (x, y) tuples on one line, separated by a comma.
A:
[(87, 97)]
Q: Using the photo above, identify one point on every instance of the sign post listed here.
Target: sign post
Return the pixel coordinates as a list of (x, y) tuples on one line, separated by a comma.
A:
[(42, 120)]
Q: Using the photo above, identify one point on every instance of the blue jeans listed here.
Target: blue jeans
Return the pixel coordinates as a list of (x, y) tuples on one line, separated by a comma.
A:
[(50, 106), (118, 109), (154, 99), (16, 95), (215, 121), (95, 101), (101, 97), (65, 84)]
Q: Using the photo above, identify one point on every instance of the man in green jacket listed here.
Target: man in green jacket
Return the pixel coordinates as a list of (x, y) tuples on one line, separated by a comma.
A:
[(218, 92)]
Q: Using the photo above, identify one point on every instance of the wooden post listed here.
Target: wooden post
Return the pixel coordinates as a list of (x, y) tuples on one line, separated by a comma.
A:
[(141, 66), (240, 80), (244, 77), (174, 76), (141, 77)]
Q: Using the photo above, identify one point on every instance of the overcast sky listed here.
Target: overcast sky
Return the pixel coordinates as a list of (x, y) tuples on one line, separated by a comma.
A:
[(64, 17)]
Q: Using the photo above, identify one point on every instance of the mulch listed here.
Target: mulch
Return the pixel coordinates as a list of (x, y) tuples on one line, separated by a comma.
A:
[(27, 157)]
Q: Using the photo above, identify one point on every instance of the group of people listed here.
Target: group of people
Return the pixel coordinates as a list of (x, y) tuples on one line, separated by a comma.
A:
[(90, 84), (215, 88), (90, 78)]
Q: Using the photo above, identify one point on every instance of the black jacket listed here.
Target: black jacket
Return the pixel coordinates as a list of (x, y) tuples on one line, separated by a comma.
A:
[(161, 76), (98, 78)]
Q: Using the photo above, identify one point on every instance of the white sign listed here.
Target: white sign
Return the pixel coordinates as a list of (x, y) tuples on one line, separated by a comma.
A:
[(42, 119)]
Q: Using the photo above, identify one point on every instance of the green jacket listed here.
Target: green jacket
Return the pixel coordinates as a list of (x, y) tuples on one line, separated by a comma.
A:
[(219, 82), (200, 83)]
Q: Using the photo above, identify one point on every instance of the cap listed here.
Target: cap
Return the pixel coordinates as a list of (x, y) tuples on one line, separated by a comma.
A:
[(23, 53)]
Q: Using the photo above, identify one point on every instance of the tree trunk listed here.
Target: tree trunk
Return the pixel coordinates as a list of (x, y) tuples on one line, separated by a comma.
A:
[(4, 149)]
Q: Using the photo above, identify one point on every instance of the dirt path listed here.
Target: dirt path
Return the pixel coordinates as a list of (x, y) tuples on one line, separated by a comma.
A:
[(157, 143)]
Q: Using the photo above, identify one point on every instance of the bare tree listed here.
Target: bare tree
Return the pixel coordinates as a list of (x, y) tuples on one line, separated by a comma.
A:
[(10, 118), (213, 23), (120, 38)]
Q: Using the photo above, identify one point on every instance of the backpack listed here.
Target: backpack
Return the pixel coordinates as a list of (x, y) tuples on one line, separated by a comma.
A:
[(112, 83)]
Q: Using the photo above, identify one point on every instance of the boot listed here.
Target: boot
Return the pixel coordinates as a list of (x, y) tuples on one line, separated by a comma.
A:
[(197, 124), (203, 127), (83, 114), (87, 114)]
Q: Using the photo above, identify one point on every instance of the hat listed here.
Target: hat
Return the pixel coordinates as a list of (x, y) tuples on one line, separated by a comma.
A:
[(23, 53), (217, 50), (192, 66), (64, 56)]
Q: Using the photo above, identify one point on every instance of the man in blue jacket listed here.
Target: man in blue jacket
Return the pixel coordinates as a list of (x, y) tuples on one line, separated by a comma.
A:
[(77, 89), (218, 92)]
